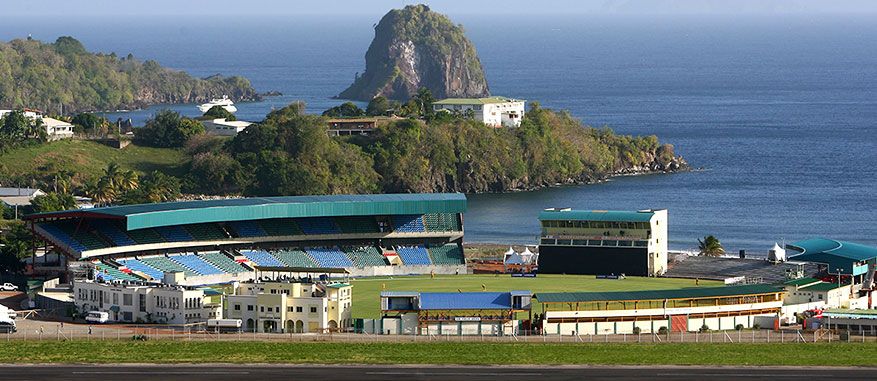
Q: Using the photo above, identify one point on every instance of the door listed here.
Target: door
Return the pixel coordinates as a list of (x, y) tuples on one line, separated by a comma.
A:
[(679, 323)]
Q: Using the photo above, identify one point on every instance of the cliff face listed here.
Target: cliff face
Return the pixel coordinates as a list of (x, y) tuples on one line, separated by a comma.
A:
[(413, 48), (63, 74)]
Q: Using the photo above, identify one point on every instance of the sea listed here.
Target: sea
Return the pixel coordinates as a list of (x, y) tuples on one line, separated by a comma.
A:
[(779, 111)]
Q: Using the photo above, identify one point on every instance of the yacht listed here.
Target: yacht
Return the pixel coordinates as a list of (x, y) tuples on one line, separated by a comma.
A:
[(226, 103)]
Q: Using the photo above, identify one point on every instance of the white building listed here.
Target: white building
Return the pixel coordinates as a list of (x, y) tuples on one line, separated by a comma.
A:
[(13, 197), (493, 111), (57, 129), (130, 302), (224, 127), (290, 306), (28, 113)]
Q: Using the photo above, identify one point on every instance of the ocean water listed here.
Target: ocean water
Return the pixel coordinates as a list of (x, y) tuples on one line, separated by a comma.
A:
[(780, 110)]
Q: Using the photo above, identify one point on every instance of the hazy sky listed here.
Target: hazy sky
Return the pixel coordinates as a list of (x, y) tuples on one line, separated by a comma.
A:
[(378, 7)]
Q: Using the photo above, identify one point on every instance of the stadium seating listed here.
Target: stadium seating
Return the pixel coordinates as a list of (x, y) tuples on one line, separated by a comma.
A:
[(413, 255), (295, 258), (110, 230), (223, 262), (145, 236), (86, 238), (135, 265), (408, 223), (280, 227), (111, 273), (197, 264), (357, 224), (262, 258), (165, 264), (318, 225), (206, 232), (247, 228), (329, 257), (174, 233), (441, 222), (63, 237), (365, 256), (449, 254)]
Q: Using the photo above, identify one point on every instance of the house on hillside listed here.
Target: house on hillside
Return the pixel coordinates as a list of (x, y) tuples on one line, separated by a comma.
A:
[(493, 111), (57, 129)]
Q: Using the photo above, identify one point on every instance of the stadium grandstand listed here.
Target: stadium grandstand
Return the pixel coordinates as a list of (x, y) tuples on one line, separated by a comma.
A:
[(408, 233)]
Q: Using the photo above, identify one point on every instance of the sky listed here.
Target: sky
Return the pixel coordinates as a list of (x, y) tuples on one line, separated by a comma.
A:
[(104, 8)]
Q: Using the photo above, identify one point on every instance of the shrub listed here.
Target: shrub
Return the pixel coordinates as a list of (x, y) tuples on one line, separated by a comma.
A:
[(704, 328), (738, 327), (662, 330), (636, 330), (756, 326)]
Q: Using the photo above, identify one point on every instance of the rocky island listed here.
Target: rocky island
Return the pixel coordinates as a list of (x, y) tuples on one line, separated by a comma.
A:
[(64, 76), (413, 48)]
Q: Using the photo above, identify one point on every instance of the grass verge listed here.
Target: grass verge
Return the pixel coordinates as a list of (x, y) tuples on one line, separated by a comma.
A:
[(835, 354)]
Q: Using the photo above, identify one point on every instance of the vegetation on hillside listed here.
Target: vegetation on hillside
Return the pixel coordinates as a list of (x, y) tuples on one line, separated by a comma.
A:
[(52, 76)]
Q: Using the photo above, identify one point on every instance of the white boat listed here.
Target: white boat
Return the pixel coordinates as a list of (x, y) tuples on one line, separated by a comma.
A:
[(226, 103)]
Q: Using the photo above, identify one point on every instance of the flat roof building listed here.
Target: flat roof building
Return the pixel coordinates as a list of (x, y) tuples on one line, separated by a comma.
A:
[(493, 111), (288, 305), (603, 242)]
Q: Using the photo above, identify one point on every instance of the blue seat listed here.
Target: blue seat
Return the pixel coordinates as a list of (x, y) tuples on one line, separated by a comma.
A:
[(262, 258), (408, 223), (135, 265), (329, 257), (109, 229), (318, 225), (414, 255), (174, 233), (248, 229), (196, 264)]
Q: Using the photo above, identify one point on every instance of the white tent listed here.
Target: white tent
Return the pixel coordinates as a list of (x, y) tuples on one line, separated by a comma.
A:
[(776, 254), (510, 252), (528, 257)]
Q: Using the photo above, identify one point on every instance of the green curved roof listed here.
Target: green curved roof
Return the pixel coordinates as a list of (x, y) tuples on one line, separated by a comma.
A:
[(836, 254), (192, 212)]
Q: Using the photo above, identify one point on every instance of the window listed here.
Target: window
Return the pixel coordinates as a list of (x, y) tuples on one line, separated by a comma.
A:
[(313, 310), (116, 298), (237, 307), (142, 303), (270, 309), (298, 309), (250, 307), (289, 309), (127, 299)]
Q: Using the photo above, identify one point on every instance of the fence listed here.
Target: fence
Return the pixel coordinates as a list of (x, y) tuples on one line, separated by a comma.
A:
[(47, 331)]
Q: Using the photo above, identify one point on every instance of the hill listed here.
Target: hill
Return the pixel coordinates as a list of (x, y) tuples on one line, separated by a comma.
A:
[(64, 75), (413, 48)]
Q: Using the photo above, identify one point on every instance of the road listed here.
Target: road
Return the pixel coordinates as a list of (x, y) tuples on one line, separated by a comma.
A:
[(416, 372)]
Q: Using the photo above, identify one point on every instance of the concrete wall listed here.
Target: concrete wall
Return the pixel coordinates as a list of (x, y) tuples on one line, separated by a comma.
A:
[(354, 272)]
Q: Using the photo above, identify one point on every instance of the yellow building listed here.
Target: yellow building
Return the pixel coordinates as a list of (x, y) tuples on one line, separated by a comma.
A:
[(287, 305)]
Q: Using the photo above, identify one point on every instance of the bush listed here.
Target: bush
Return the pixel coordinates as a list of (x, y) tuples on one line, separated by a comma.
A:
[(704, 328), (637, 330), (663, 330), (756, 326), (738, 327)]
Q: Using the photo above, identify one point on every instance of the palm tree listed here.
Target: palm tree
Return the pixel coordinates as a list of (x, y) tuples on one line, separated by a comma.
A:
[(710, 246)]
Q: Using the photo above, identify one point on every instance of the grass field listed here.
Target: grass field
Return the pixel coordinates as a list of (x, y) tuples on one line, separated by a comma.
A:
[(366, 291), (835, 354), (90, 158)]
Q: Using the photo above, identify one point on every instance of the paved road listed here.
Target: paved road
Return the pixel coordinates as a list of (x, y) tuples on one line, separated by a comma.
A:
[(416, 372)]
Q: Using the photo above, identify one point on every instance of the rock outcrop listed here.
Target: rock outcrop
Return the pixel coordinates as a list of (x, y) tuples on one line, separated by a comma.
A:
[(413, 48)]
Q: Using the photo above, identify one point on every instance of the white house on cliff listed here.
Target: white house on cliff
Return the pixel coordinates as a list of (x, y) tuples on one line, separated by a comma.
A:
[(493, 111)]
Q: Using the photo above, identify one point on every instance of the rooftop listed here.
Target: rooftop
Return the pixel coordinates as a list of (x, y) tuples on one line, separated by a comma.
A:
[(850, 314), (476, 101), (720, 268), (8, 192), (823, 286), (596, 215), (238, 209), (685, 293), (801, 281), (814, 248), (465, 301)]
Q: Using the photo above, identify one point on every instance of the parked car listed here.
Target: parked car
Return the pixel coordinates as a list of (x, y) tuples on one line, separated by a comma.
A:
[(8, 287), (7, 326), (97, 317)]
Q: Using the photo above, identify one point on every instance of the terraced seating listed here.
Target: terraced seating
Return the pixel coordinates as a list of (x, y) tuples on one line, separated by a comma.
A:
[(357, 224), (112, 231), (135, 265), (329, 257), (197, 264), (63, 237), (174, 233), (318, 225), (441, 222), (247, 229), (145, 236), (449, 254), (408, 223), (223, 262), (262, 258), (109, 272), (166, 264), (280, 226), (295, 258), (413, 255), (206, 232), (365, 256), (83, 236)]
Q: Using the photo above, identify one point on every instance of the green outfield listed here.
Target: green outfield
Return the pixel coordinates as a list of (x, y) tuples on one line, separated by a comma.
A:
[(835, 354), (366, 291)]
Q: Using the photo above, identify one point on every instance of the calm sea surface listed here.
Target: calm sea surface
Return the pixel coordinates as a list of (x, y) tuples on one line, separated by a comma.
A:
[(781, 110)]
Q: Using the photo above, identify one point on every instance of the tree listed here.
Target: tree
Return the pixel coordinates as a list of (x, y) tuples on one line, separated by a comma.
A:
[(14, 246), (168, 129), (154, 187), (377, 106), (424, 100), (217, 112), (15, 126), (52, 202), (710, 246), (87, 122), (346, 109)]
